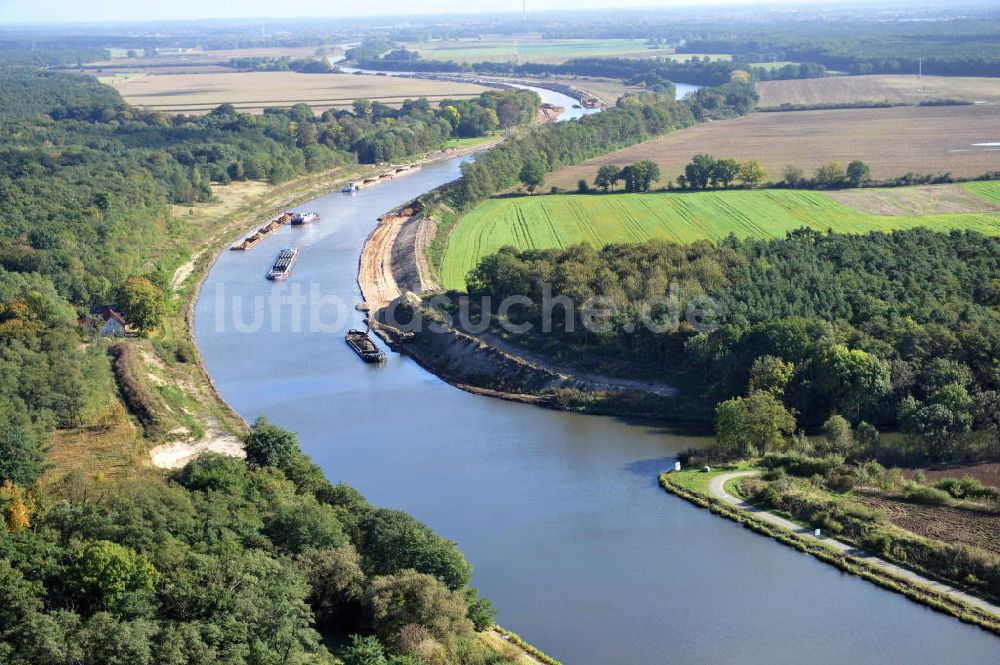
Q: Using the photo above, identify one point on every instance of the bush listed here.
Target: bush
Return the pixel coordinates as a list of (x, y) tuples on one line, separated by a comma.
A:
[(928, 495), (803, 465), (185, 352), (967, 488)]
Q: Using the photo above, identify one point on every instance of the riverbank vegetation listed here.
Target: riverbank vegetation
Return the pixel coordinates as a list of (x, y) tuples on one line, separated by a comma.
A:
[(636, 117)]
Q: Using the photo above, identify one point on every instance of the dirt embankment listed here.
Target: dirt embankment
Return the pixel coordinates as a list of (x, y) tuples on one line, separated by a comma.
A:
[(394, 272), (393, 259), (548, 113)]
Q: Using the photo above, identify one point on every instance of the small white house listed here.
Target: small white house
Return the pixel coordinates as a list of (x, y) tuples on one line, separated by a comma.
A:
[(111, 324)]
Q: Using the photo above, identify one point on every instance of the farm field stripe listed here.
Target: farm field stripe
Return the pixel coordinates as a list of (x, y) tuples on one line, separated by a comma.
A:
[(542, 222)]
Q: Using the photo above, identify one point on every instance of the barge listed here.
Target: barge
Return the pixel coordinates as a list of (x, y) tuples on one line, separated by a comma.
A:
[(364, 347), (261, 233), (283, 264), (300, 218), (355, 186)]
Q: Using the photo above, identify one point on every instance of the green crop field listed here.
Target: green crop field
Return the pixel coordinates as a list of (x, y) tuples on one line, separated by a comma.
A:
[(988, 190), (549, 51), (559, 221)]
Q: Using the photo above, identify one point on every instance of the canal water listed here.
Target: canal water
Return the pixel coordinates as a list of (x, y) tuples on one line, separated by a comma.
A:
[(560, 514)]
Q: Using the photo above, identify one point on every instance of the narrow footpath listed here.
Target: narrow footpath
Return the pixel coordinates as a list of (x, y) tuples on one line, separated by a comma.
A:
[(717, 488)]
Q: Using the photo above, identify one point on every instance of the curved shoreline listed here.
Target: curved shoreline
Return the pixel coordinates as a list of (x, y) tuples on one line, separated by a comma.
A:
[(930, 593), (390, 273)]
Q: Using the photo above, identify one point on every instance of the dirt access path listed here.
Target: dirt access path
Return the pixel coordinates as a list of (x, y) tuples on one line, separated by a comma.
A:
[(717, 489)]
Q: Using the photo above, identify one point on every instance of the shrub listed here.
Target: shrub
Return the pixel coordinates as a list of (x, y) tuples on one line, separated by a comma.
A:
[(185, 352), (967, 488), (928, 495), (802, 465)]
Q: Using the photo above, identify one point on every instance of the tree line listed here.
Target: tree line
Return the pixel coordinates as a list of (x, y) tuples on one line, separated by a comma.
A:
[(635, 118), (281, 64), (706, 172), (650, 72), (897, 330)]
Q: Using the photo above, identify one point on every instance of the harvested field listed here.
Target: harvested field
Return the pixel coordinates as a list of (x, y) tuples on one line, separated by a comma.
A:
[(988, 473), (893, 141), (197, 61), (921, 200), (968, 526), (538, 222), (253, 91), (895, 89)]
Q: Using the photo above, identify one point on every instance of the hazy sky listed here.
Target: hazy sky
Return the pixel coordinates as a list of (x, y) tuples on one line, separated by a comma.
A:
[(131, 10)]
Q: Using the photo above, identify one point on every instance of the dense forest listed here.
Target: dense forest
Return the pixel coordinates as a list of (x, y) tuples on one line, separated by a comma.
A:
[(85, 183), (864, 49), (260, 561), (899, 330)]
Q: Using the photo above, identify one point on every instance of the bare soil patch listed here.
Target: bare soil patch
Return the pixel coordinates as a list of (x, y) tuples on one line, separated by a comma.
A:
[(177, 454), (925, 200), (979, 528), (893, 141), (988, 473)]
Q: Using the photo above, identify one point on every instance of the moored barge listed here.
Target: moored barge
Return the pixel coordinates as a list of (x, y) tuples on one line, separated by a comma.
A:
[(283, 264), (261, 233), (364, 347)]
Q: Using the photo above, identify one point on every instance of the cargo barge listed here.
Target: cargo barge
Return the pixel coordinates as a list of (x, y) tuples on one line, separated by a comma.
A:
[(352, 187), (261, 233), (364, 347), (300, 218), (283, 264)]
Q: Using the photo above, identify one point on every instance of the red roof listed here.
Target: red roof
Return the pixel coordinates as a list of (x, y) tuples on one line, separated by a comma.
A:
[(112, 314)]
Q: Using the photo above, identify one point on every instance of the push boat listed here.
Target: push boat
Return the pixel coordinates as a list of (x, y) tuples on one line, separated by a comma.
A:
[(283, 264), (349, 188), (299, 218), (364, 347)]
